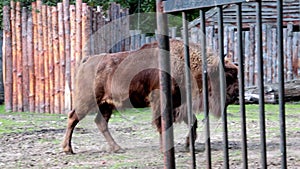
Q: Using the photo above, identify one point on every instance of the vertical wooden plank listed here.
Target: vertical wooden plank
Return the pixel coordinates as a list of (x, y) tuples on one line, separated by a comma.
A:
[(274, 56), (25, 61), (36, 58), (289, 51), (264, 51), (295, 55), (56, 60), (73, 48), (30, 55), (14, 56), (86, 30), (50, 60), (46, 52), (19, 58), (67, 87), (226, 40), (285, 52), (7, 59), (269, 54), (252, 62), (61, 37), (78, 31), (41, 74), (209, 36), (230, 53), (247, 58), (126, 27)]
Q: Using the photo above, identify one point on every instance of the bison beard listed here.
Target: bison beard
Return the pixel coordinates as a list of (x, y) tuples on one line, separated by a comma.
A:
[(109, 82)]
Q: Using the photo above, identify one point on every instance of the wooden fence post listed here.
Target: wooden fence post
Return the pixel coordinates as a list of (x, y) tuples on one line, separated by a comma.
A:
[(7, 59), (56, 60), (72, 48), (50, 60), (30, 55), (67, 87), (289, 53), (78, 31), (19, 59), (46, 52), (61, 37), (25, 61), (41, 70), (14, 56), (86, 30), (274, 55)]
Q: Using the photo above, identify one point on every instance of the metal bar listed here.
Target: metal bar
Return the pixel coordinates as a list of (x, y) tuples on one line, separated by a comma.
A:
[(261, 87), (205, 89), (191, 120), (281, 85), (223, 86), (241, 84), (165, 87)]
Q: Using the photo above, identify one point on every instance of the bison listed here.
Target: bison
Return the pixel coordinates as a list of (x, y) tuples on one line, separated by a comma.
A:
[(108, 82)]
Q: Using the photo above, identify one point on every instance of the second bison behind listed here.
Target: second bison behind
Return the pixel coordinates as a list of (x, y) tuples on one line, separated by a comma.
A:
[(131, 79)]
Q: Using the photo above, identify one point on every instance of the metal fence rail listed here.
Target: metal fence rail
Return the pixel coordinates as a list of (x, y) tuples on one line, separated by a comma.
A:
[(184, 6)]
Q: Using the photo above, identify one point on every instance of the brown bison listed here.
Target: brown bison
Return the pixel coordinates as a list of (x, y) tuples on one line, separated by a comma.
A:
[(110, 82)]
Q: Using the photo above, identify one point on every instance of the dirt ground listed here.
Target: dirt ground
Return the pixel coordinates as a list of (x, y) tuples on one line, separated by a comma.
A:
[(38, 144)]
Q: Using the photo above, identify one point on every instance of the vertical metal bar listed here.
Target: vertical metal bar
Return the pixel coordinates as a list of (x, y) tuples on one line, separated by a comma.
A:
[(281, 85), (241, 84), (223, 86), (165, 86), (191, 120), (205, 89), (261, 86)]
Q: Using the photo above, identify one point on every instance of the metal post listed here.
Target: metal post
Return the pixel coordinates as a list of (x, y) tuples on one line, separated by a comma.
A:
[(281, 85), (205, 89), (223, 86), (242, 84), (261, 86), (191, 120), (165, 87)]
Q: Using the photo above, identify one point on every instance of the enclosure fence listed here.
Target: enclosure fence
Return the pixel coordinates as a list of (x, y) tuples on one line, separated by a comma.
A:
[(42, 46)]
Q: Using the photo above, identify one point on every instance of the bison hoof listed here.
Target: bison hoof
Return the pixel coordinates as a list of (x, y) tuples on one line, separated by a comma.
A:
[(117, 149), (68, 150)]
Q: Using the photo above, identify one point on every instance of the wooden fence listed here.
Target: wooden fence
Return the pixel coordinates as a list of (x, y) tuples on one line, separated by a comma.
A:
[(42, 47), (291, 50)]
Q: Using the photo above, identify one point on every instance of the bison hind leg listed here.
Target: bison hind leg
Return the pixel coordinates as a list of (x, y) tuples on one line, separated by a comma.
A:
[(101, 120), (72, 122)]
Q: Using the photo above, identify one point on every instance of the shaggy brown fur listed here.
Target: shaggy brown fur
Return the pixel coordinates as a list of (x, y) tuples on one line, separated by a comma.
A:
[(131, 79)]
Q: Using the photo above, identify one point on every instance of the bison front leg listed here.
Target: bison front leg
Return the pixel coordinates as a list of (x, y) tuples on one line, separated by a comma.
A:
[(192, 129), (72, 122), (101, 120)]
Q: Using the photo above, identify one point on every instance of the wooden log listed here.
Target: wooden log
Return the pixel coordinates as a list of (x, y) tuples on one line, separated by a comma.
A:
[(50, 60), (30, 55), (66, 7), (35, 56), (86, 30), (289, 53), (7, 59), (46, 58), (78, 31), (126, 27), (41, 69), (269, 54), (285, 52), (291, 91), (295, 55), (73, 48), (19, 58), (25, 61), (100, 33), (264, 51), (56, 60), (252, 56), (61, 36), (14, 56), (247, 59), (274, 56)]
